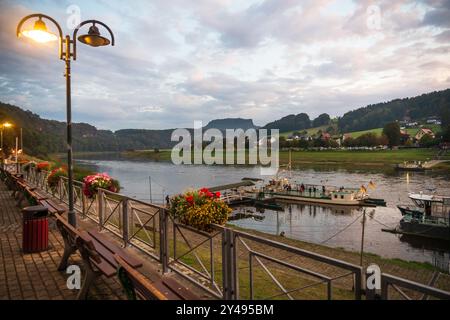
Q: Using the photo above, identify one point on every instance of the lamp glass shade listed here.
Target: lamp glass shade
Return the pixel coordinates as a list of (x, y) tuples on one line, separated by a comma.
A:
[(40, 33), (93, 38)]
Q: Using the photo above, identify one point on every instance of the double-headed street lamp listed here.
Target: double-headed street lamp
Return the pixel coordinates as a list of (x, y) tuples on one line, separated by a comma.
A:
[(67, 50)]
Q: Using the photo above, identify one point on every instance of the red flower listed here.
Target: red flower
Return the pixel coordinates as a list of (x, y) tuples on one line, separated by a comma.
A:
[(217, 194), (190, 199), (43, 166), (204, 190)]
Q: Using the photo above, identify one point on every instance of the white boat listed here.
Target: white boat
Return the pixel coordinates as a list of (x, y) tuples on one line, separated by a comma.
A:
[(283, 189), (429, 217)]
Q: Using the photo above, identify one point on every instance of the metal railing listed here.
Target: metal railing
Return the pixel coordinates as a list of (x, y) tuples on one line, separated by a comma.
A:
[(227, 263), (399, 285), (80, 200), (438, 221), (136, 222), (291, 269), (195, 255), (11, 167)]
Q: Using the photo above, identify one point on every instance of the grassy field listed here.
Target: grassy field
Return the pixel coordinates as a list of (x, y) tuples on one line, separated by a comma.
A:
[(410, 131), (362, 157), (310, 131), (356, 134), (359, 158), (161, 155)]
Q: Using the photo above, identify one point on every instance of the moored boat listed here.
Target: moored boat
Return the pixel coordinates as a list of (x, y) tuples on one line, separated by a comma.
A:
[(330, 195), (428, 217), (411, 166)]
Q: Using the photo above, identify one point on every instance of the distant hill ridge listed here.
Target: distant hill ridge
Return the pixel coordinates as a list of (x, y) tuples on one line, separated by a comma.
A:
[(42, 136), (231, 123), (434, 104)]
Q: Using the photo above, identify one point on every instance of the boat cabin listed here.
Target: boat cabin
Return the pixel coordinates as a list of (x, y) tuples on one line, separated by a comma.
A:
[(344, 195), (437, 206)]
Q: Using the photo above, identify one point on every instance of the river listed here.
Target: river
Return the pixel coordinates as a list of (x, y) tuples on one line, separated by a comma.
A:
[(316, 224)]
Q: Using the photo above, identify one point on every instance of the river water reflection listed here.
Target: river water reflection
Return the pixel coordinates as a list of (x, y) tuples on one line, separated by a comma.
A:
[(309, 223)]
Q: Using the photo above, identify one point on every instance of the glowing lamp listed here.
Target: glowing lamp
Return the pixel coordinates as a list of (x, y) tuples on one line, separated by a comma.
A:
[(40, 33)]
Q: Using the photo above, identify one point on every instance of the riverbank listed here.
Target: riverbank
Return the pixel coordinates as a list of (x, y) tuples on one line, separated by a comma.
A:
[(354, 158)]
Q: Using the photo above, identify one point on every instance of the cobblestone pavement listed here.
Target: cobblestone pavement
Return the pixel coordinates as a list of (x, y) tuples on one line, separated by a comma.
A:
[(35, 276)]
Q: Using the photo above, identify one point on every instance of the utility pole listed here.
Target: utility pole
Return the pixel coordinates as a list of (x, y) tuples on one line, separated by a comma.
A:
[(21, 139), (278, 225), (17, 155), (362, 237), (150, 186), (290, 163)]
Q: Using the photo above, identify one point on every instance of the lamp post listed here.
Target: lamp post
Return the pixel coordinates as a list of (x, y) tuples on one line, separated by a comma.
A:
[(3, 126), (67, 51), (21, 140)]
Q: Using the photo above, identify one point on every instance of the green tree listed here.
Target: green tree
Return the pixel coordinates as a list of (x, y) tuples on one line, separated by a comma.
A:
[(303, 144), (282, 142), (349, 142), (392, 132), (427, 141), (321, 120), (445, 120), (367, 140)]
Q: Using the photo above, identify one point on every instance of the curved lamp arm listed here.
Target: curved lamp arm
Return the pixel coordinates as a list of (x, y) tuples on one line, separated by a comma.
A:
[(74, 37), (40, 16)]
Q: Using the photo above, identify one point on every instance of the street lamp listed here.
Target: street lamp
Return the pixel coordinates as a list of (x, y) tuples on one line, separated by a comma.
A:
[(67, 50), (3, 126)]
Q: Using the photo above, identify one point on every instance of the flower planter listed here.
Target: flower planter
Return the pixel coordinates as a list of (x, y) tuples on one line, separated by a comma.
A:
[(100, 180), (199, 209)]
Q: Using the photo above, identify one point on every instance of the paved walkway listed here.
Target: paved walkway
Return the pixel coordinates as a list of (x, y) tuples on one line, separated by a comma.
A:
[(35, 276)]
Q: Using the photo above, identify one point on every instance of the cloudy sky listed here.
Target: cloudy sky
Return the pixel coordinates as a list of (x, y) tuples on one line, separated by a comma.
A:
[(176, 61)]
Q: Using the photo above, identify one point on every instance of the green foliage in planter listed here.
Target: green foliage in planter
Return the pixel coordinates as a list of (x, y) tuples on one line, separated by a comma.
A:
[(199, 209)]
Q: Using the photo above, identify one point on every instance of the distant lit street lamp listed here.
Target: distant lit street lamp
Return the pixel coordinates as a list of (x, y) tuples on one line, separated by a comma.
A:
[(67, 50), (3, 126)]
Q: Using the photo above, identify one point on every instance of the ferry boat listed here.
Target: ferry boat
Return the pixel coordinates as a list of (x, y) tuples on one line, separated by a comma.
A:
[(411, 166), (280, 188), (428, 217), (283, 189)]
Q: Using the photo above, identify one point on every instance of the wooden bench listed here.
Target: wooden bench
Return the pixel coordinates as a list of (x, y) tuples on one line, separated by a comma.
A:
[(53, 207), (136, 285), (96, 251), (21, 188), (12, 182), (69, 235), (43, 199)]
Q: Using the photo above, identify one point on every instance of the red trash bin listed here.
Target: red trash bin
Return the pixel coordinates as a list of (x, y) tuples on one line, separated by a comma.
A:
[(35, 229)]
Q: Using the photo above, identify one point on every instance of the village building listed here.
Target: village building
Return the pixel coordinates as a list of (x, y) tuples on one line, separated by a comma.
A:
[(404, 136), (423, 132), (325, 136)]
